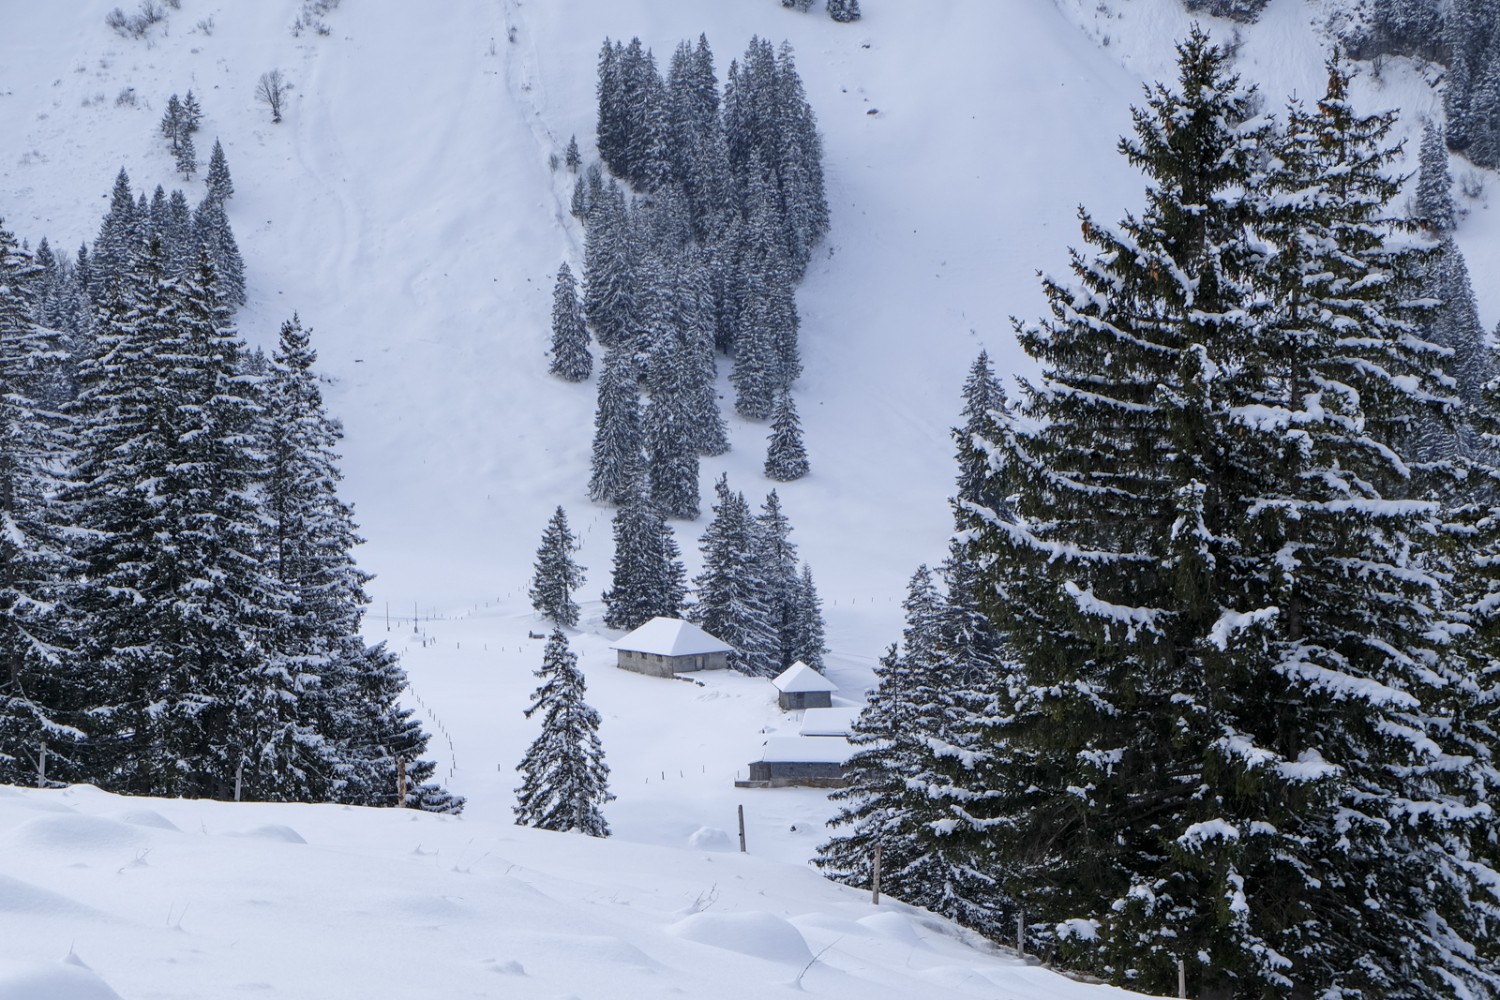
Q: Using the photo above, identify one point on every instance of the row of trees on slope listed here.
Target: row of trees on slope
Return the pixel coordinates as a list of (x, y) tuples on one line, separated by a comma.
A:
[(179, 604), (1210, 677)]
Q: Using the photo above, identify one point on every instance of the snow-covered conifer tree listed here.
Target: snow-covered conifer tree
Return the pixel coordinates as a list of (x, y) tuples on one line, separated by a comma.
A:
[(564, 779), (1434, 207), (733, 602), (557, 574), (571, 359), (39, 689), (786, 458), (647, 580), (843, 10), (617, 458), (214, 233), (220, 185), (1236, 607)]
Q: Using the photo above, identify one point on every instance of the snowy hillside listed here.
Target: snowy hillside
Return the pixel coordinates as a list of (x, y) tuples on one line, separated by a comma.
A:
[(407, 210), (103, 897)]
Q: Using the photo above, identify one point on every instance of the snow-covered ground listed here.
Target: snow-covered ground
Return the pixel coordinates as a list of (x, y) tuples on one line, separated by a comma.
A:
[(406, 208), (104, 897)]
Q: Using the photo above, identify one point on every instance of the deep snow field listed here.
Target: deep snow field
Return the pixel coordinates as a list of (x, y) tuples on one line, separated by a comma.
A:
[(406, 209)]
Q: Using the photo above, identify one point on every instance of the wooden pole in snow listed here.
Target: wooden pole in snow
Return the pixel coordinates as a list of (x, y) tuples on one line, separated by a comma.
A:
[(875, 879), (742, 829), (1182, 979), (400, 783), (1021, 933), (41, 767), (239, 779)]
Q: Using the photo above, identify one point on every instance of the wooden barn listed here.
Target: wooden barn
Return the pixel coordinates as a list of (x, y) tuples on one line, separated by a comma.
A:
[(665, 647), (800, 686), (800, 761)]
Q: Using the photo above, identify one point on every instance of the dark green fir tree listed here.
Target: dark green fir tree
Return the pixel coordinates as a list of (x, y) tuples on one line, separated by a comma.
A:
[(564, 779), (557, 575)]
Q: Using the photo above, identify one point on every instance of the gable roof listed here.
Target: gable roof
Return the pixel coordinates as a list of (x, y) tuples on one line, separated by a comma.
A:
[(828, 721), (671, 637), (805, 750), (800, 678)]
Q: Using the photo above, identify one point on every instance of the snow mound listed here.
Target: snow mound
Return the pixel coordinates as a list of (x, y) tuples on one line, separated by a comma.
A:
[(60, 981), (510, 967), (896, 926), (147, 817), (757, 933), (710, 838), (274, 832), (76, 833), (588, 949), (17, 897)]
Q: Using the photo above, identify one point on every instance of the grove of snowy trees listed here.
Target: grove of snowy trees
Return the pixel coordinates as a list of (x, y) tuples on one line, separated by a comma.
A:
[(1208, 675), (179, 605), (703, 259)]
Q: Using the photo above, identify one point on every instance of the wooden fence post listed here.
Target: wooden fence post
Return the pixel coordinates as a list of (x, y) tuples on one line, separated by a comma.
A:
[(239, 779), (41, 767), (742, 828), (875, 879), (1021, 933), (400, 783), (1182, 979)]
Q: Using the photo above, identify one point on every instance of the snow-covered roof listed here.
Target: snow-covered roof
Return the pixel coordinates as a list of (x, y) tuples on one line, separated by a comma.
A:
[(828, 721), (671, 637), (805, 750), (800, 678)]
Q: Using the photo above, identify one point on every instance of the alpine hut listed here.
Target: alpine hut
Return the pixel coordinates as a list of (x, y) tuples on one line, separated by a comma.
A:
[(665, 647), (800, 686)]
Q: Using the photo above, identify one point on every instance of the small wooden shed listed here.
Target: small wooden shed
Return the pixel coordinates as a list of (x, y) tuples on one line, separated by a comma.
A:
[(800, 686), (800, 761), (665, 647)]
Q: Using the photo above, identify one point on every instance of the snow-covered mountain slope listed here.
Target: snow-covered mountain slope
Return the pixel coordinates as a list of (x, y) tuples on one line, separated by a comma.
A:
[(407, 210)]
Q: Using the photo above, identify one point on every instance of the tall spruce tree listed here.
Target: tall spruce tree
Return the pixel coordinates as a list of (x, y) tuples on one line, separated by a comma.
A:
[(564, 780), (983, 397), (119, 235), (808, 631), (647, 580), (733, 599), (165, 473), (1231, 690), (571, 359), (41, 698), (671, 444), (693, 299), (350, 729), (887, 803), (1434, 205), (557, 574), (617, 458), (786, 458), (608, 277), (211, 223), (220, 185)]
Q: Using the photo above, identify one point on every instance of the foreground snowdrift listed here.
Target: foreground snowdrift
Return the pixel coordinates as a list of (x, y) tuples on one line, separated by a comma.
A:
[(104, 897)]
